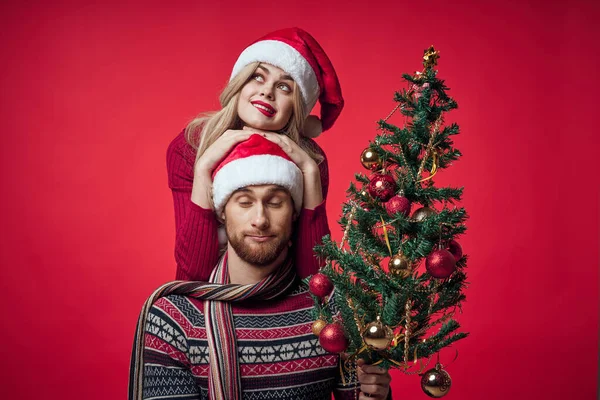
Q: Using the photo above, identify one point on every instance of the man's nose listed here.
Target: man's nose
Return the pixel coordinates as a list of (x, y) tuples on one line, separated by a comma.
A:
[(260, 219)]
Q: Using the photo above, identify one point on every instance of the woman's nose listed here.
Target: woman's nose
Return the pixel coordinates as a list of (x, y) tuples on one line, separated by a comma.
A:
[(267, 91)]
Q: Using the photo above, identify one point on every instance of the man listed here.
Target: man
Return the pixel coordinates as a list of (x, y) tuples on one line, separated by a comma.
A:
[(246, 334)]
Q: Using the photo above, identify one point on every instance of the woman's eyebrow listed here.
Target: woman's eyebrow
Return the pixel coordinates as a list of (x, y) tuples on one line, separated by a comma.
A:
[(264, 69), (285, 77)]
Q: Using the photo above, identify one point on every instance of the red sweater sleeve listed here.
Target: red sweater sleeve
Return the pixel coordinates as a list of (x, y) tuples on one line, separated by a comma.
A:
[(196, 242), (312, 226)]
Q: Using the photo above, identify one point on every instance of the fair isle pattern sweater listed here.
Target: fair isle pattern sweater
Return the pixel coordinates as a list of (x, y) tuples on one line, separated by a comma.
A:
[(280, 358)]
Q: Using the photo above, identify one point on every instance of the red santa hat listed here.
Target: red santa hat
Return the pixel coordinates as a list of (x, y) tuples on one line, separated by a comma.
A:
[(297, 53), (256, 161)]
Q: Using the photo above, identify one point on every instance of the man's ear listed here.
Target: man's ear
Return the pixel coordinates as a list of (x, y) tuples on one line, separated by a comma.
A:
[(295, 216)]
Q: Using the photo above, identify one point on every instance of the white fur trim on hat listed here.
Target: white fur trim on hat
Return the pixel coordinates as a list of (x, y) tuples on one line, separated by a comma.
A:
[(283, 56), (262, 169)]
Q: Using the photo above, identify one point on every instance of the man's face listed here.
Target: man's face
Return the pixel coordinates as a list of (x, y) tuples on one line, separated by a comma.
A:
[(258, 222)]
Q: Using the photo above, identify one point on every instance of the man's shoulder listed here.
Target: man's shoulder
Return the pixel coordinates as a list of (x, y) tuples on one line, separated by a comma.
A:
[(178, 306)]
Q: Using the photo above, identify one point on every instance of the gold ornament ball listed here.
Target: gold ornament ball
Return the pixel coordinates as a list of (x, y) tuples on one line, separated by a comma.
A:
[(436, 382), (400, 266), (369, 159), (317, 326), (422, 213), (377, 335)]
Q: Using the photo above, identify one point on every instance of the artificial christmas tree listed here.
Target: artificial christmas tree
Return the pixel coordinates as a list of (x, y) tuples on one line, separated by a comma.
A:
[(398, 277)]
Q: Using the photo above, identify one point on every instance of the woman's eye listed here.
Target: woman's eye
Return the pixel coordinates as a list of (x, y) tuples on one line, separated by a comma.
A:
[(285, 87), (258, 77)]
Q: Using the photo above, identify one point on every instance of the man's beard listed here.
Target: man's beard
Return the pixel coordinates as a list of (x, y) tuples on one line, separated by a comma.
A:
[(261, 255)]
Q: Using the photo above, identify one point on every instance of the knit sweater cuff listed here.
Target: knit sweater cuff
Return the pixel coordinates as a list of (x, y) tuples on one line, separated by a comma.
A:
[(197, 246), (203, 212), (313, 214), (312, 226)]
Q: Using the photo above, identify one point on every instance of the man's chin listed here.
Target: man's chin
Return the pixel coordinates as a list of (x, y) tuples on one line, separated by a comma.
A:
[(258, 251), (257, 257), (259, 254)]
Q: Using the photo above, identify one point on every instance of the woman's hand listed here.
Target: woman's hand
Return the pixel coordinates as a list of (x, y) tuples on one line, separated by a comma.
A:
[(292, 149), (313, 192), (374, 381), (202, 185), (218, 150)]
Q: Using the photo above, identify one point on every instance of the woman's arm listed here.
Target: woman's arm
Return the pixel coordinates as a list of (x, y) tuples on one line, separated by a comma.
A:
[(196, 242), (312, 225)]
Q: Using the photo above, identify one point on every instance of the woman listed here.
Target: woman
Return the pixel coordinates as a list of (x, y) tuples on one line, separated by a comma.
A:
[(275, 83)]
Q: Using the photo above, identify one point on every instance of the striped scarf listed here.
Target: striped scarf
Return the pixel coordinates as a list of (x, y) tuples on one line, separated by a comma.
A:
[(218, 293)]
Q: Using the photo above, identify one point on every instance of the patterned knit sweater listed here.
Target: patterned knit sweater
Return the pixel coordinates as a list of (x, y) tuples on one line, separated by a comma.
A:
[(280, 358)]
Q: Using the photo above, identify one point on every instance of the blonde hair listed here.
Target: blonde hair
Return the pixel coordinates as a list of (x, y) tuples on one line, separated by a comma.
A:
[(206, 128)]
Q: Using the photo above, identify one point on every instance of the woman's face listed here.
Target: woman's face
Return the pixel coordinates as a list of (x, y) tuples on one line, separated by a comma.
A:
[(266, 101)]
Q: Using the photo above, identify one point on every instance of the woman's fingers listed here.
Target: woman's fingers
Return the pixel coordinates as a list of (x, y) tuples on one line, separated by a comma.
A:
[(234, 135), (230, 138), (291, 148), (250, 129), (216, 151)]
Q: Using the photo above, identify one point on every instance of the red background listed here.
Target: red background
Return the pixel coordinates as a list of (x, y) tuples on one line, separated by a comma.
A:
[(91, 96)]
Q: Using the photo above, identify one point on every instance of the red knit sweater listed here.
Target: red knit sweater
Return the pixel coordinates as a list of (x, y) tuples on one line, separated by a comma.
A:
[(196, 242)]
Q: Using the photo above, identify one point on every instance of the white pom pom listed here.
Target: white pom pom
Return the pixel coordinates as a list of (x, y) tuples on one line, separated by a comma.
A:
[(312, 127)]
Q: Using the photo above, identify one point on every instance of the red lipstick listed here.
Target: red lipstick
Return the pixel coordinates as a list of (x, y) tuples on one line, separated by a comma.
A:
[(264, 108)]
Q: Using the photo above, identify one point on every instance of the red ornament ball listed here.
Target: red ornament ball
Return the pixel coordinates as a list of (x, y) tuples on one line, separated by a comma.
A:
[(333, 339), (455, 249), (382, 187), (398, 204), (440, 264), (320, 285)]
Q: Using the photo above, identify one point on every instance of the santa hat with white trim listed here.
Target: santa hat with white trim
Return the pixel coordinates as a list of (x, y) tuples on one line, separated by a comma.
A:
[(297, 53), (256, 161)]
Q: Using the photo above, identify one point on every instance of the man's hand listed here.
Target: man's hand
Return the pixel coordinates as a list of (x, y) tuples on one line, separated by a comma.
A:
[(374, 381)]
